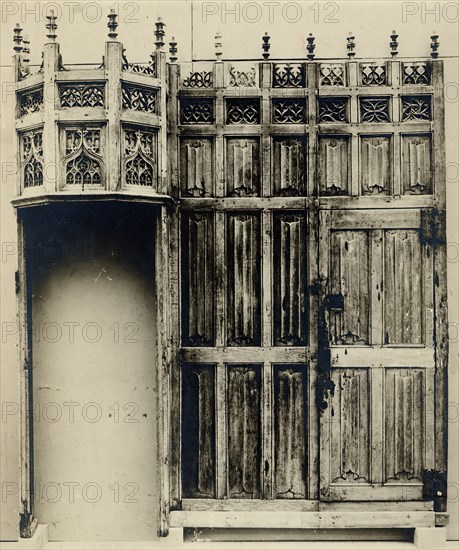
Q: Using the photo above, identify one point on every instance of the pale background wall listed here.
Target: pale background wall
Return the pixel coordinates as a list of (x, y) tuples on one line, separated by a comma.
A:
[(82, 32)]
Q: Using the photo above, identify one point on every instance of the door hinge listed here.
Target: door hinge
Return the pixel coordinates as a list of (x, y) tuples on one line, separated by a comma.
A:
[(433, 227)]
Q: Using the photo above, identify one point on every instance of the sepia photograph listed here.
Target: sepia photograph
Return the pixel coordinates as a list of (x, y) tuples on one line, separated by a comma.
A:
[(229, 275)]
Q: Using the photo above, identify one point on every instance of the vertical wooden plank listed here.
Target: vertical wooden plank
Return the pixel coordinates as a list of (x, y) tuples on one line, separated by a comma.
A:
[(220, 190), (267, 284), (397, 164), (313, 238), (114, 56), (162, 292), (355, 164), (268, 465), (222, 433), (440, 269), (51, 177), (27, 522), (244, 430), (376, 374), (323, 466), (220, 278), (376, 292)]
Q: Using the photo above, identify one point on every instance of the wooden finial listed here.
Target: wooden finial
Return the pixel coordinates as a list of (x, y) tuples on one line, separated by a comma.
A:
[(310, 46), (350, 45), (51, 26), (112, 25), (434, 45), (173, 50), (266, 45), (218, 46), (26, 49), (393, 44), (159, 34), (17, 39)]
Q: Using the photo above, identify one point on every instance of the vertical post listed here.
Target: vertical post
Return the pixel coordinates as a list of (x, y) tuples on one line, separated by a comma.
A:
[(394, 75), (173, 189), (53, 176), (27, 523), (353, 82), (113, 74), (440, 271), (312, 82), (160, 63)]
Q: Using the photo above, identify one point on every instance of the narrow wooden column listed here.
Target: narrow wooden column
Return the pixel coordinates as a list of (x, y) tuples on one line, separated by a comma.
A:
[(113, 68), (53, 173)]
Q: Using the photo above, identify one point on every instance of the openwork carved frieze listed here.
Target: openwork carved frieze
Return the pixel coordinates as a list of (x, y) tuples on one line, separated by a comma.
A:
[(140, 68), (416, 108), (376, 165), (30, 101), (374, 109), (81, 95), (333, 109), (198, 79), (196, 110), (416, 73), (332, 74), (196, 167), (288, 75), (416, 172), (289, 166), (32, 158), (83, 156), (140, 152), (373, 75), (138, 98), (243, 111), (289, 111), (242, 79), (334, 165)]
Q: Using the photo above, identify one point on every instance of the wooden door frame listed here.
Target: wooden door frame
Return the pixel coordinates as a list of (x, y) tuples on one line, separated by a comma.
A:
[(160, 220)]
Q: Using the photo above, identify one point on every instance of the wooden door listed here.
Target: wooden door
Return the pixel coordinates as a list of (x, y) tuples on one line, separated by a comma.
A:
[(377, 431)]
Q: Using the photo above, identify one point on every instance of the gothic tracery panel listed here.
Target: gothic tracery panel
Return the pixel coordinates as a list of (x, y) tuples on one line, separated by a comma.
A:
[(32, 158), (289, 111), (140, 157), (333, 109), (137, 98), (374, 109), (288, 75), (196, 110), (416, 108), (332, 74), (196, 167), (82, 95), (373, 74), (416, 73), (30, 101), (83, 158), (243, 111)]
